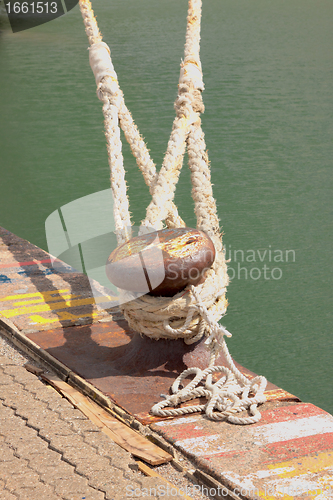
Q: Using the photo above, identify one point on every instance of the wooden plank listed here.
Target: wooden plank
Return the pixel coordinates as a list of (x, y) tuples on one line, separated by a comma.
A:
[(34, 369), (120, 433), (152, 473)]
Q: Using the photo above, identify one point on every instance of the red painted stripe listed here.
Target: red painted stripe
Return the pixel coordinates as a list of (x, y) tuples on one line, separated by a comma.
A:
[(279, 452), (286, 413), (294, 448), (278, 414), (28, 263), (185, 431)]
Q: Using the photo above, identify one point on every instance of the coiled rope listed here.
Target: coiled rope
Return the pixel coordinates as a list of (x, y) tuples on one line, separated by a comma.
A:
[(195, 312)]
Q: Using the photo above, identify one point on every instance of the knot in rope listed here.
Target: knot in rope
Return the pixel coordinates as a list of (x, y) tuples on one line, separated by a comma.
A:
[(231, 394)]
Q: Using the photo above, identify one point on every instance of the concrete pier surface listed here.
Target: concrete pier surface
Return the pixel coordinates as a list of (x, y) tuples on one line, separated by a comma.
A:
[(51, 450)]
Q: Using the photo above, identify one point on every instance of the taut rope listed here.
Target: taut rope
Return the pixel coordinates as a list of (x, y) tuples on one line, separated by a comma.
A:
[(194, 313)]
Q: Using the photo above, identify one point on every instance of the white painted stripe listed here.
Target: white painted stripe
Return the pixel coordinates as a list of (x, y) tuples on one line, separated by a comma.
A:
[(203, 445), (259, 436), (293, 429), (178, 421)]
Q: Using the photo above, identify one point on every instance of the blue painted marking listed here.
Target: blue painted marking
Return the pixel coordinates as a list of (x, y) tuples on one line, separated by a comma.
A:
[(4, 279), (29, 272)]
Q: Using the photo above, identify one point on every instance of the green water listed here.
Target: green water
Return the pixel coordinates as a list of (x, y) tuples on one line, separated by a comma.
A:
[(268, 74)]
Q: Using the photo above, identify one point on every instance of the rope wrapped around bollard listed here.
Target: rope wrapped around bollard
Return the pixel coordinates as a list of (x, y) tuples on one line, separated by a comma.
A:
[(192, 313)]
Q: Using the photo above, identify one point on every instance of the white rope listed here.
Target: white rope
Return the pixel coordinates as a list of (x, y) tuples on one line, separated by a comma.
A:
[(195, 312), (231, 394), (188, 106), (108, 89)]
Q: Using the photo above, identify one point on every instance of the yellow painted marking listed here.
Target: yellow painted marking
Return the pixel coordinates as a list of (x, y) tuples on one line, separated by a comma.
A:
[(305, 465), (35, 318), (264, 495), (41, 300), (278, 394), (35, 294), (305, 468), (62, 316), (9, 313)]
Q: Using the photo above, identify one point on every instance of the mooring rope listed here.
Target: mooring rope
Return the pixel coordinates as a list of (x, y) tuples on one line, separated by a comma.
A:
[(231, 394), (195, 312)]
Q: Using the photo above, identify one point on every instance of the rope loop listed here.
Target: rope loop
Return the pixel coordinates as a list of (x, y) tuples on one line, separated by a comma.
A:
[(232, 393)]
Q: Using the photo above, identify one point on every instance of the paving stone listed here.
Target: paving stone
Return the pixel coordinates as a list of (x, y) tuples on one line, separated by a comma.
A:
[(6, 454), (108, 448), (20, 378), (4, 361), (42, 421), (83, 426), (36, 386), (5, 379), (25, 409), (72, 413), (73, 485), (111, 489), (72, 441), (5, 411), (75, 454), (59, 428), (16, 435), (8, 468), (25, 479), (120, 496), (97, 440), (24, 398), (5, 416), (39, 492), (51, 474), (6, 495), (13, 388), (54, 402), (42, 463), (93, 466), (12, 396), (20, 374), (172, 496), (25, 448), (151, 482), (103, 478), (90, 494), (12, 426)]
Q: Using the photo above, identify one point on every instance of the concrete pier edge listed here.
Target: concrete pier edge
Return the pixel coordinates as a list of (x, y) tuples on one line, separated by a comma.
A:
[(290, 447)]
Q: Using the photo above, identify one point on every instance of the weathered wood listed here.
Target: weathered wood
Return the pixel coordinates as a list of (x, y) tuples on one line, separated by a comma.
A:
[(120, 433), (33, 369), (161, 263)]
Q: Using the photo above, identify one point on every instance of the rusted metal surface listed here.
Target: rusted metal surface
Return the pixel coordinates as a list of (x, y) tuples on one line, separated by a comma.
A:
[(132, 370), (161, 263)]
